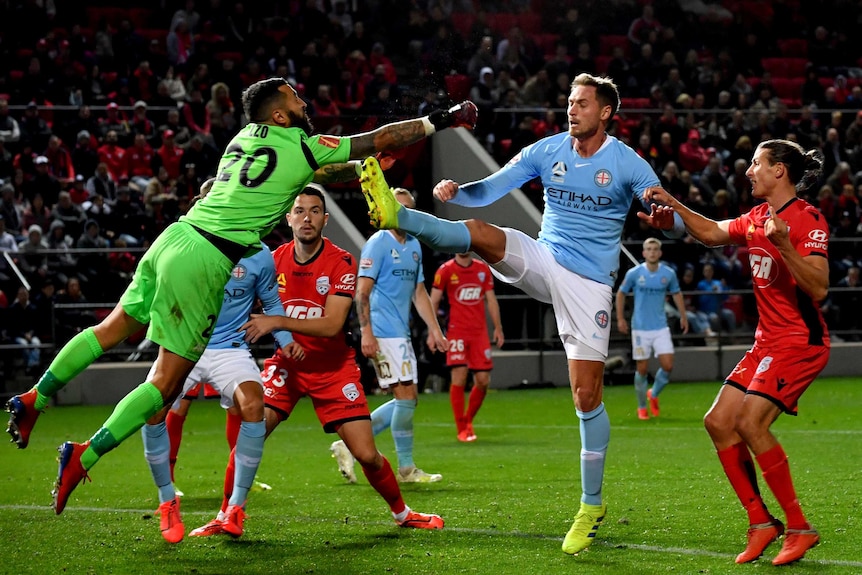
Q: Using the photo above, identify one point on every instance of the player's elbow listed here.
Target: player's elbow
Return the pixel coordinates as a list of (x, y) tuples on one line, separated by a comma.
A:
[(819, 293)]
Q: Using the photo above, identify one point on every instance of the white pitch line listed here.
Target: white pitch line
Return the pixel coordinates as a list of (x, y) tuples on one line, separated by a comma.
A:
[(487, 532)]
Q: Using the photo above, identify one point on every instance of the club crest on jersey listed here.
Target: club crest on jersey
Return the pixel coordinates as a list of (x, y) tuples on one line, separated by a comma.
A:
[(481, 276), (416, 257), (558, 172), (764, 364), (328, 141), (603, 178), (239, 272), (750, 233), (350, 391), (322, 285), (602, 318), (366, 263)]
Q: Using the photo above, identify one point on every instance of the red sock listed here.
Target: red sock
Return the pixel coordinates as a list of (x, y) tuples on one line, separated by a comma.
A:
[(456, 398), (383, 480), (228, 480), (231, 429), (477, 396), (776, 472), (739, 468), (174, 422)]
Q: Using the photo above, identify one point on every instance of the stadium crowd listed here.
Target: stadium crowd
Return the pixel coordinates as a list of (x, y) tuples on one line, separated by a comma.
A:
[(112, 116)]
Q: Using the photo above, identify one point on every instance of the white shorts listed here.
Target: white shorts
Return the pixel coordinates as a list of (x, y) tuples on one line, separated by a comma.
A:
[(645, 342), (224, 369), (396, 362), (581, 306)]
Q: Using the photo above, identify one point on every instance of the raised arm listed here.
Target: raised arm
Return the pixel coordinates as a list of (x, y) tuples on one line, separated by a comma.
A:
[(664, 206), (400, 134)]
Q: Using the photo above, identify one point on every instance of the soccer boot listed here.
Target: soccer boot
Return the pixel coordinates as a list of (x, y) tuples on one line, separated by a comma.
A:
[(345, 460), (382, 206), (583, 530), (259, 486), (22, 417), (653, 403), (416, 475), (214, 527), (234, 519), (416, 520), (171, 523), (796, 543), (642, 413), (760, 536), (471, 435), (69, 474), (463, 437)]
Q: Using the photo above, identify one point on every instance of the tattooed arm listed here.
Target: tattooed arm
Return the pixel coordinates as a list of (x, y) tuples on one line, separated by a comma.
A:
[(400, 134), (336, 173)]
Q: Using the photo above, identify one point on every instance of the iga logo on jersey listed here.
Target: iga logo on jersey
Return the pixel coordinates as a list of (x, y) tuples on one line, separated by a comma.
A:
[(469, 294), (764, 269)]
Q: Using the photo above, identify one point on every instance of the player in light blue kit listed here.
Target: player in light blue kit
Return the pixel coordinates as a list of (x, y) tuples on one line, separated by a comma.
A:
[(589, 180), (226, 364), (390, 277), (649, 283)]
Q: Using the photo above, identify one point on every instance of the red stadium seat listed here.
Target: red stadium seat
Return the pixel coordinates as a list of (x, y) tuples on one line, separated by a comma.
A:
[(276, 35), (793, 47), (547, 43), (788, 87), (530, 22), (785, 67), (501, 22), (602, 63), (16, 75), (458, 87), (235, 56), (607, 42), (463, 23), (635, 104)]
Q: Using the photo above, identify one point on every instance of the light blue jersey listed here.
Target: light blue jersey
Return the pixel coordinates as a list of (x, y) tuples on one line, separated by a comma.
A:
[(251, 277), (649, 289), (586, 199), (396, 269)]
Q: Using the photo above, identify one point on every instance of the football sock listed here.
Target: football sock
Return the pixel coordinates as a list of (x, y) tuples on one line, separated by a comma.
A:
[(157, 447), (661, 379), (130, 415), (228, 480), (595, 436), (247, 455), (641, 383), (231, 428), (174, 424), (477, 396), (456, 398), (402, 431), (441, 235), (381, 418), (776, 472), (739, 468), (384, 482), (78, 353)]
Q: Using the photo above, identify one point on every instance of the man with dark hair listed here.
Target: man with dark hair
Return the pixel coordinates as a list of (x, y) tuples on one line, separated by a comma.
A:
[(178, 285)]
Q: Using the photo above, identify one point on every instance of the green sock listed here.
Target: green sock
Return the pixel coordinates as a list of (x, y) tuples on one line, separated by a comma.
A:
[(130, 415), (75, 357)]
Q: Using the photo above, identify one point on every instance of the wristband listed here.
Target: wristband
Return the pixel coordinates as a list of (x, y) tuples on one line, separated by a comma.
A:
[(441, 119), (429, 127)]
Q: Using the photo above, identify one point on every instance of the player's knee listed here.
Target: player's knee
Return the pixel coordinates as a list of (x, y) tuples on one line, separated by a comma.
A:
[(587, 398), (717, 425), (368, 457)]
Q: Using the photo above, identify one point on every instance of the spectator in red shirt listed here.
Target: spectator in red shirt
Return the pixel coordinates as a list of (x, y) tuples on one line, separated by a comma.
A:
[(139, 162), (113, 156), (59, 161), (692, 156), (170, 155)]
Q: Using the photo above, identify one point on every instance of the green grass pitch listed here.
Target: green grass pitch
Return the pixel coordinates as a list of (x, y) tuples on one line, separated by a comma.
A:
[(507, 499)]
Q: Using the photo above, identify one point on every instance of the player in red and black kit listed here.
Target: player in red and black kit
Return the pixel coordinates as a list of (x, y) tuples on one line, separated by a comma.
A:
[(468, 286), (787, 240), (316, 283)]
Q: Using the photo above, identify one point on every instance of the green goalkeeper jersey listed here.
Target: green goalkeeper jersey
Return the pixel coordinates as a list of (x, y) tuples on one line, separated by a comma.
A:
[(262, 171)]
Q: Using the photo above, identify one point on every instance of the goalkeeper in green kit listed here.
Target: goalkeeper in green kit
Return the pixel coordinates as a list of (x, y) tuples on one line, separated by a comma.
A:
[(177, 288)]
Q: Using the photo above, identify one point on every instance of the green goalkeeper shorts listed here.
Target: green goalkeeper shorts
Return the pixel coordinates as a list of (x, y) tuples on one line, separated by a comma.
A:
[(178, 289)]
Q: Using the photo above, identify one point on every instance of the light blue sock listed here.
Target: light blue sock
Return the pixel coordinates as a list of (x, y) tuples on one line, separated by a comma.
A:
[(641, 384), (402, 431), (662, 378), (381, 418), (442, 235), (157, 450), (247, 455), (595, 435)]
